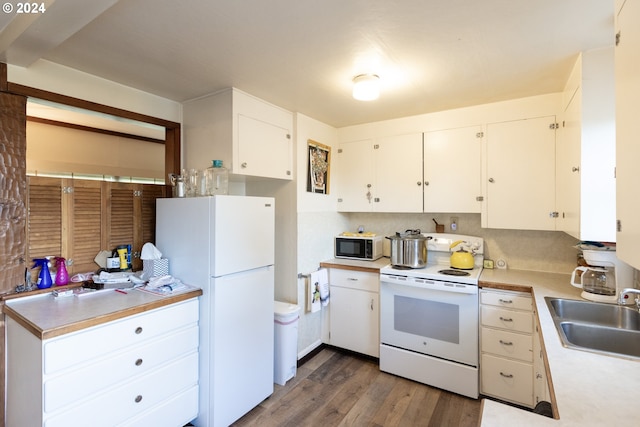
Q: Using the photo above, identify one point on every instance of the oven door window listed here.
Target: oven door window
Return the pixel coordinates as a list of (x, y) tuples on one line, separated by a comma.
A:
[(429, 319), (432, 322)]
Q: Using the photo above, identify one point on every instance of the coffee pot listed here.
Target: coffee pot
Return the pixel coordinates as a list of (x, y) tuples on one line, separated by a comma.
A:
[(603, 278), (595, 280)]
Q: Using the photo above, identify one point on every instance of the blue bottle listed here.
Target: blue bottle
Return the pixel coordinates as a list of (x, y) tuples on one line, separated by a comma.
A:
[(44, 278)]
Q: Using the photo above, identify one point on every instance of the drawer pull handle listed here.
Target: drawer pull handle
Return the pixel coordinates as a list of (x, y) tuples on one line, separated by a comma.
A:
[(506, 375), (505, 301), (138, 398), (352, 279), (506, 342), (138, 362), (504, 319), (138, 330)]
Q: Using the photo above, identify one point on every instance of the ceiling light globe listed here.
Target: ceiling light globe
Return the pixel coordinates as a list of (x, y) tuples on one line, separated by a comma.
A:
[(366, 87)]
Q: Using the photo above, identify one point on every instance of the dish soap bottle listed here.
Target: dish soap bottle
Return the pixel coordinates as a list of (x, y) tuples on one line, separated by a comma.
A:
[(62, 276), (44, 278), (217, 178)]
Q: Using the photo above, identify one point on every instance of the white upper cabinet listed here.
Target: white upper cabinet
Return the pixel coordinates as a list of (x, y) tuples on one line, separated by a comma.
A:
[(627, 83), (452, 170), (355, 176), (252, 137), (585, 174), (380, 174), (520, 175), (398, 173)]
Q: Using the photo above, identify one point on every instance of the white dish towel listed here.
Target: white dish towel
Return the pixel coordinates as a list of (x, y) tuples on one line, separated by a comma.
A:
[(318, 289)]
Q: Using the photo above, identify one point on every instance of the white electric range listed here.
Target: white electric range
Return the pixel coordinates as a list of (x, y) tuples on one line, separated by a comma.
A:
[(429, 318)]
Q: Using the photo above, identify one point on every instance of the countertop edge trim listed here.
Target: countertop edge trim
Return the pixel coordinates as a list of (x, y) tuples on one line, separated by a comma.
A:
[(99, 320), (350, 267)]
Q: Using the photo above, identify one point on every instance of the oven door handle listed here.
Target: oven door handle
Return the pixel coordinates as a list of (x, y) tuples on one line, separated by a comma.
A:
[(433, 285)]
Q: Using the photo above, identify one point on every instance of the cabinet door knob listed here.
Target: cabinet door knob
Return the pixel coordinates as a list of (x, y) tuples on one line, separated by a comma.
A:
[(575, 169), (243, 165), (138, 362), (138, 398), (419, 183), (138, 330), (491, 180), (426, 183)]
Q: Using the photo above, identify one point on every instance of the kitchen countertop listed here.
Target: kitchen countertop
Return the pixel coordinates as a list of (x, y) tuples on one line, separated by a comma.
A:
[(590, 389), (355, 264), (46, 316)]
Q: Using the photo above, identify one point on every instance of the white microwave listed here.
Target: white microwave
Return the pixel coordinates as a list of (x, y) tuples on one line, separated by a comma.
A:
[(366, 248)]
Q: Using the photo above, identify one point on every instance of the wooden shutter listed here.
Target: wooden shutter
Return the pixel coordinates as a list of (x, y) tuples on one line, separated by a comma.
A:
[(132, 213), (77, 219), (84, 240), (149, 195), (120, 215), (44, 225)]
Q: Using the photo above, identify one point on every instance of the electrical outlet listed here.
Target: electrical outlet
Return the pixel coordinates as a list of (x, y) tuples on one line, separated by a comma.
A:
[(454, 223)]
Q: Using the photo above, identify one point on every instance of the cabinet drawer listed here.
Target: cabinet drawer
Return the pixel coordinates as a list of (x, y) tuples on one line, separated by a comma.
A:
[(507, 379), (76, 384), (133, 398), (514, 300), (354, 279), (177, 411), (89, 344), (512, 320), (507, 344)]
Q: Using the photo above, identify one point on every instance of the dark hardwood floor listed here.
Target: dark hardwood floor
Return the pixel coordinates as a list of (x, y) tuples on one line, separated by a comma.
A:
[(335, 388)]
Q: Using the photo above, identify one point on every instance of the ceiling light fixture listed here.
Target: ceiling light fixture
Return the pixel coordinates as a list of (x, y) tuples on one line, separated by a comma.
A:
[(366, 87)]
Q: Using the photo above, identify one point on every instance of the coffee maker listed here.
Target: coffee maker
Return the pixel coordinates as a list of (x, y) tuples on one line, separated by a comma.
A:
[(604, 277)]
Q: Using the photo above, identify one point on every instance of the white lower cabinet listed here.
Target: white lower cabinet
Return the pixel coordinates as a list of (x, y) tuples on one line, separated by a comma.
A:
[(506, 346), (354, 319), (141, 370), (541, 389)]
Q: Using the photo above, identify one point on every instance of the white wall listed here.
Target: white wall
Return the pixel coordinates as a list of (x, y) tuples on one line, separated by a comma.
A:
[(317, 223), (68, 81)]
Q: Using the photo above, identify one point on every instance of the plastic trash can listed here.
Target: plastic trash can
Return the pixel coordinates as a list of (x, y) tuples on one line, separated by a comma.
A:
[(286, 341)]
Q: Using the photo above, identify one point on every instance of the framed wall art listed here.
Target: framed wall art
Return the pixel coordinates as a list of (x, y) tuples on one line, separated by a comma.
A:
[(319, 167)]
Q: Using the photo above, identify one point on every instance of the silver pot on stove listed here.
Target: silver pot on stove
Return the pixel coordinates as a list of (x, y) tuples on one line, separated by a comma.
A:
[(409, 249)]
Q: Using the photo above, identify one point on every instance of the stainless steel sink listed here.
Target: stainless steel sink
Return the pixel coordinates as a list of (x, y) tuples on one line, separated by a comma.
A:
[(615, 316), (602, 339), (597, 327)]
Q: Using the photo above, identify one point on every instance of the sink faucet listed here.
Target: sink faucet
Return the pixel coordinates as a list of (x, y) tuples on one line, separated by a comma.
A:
[(622, 296)]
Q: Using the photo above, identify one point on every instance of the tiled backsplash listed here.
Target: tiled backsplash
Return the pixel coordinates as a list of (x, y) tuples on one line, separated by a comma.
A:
[(550, 251)]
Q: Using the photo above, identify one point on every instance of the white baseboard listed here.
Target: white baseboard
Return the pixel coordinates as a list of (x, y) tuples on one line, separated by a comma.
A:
[(309, 349)]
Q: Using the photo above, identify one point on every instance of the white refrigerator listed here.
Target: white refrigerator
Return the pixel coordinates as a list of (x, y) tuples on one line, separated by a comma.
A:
[(225, 245)]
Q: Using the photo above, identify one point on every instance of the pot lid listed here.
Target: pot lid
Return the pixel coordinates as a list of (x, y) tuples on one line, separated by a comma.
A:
[(411, 234)]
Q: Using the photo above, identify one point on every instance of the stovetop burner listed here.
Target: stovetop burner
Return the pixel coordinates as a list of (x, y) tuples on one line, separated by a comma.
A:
[(454, 272)]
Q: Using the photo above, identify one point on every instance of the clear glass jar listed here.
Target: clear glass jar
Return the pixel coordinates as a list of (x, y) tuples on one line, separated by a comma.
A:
[(217, 178)]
